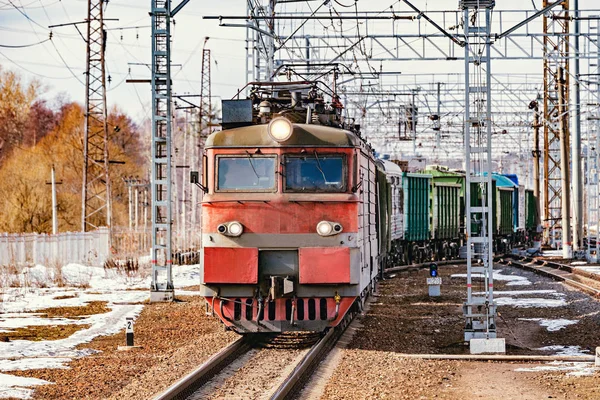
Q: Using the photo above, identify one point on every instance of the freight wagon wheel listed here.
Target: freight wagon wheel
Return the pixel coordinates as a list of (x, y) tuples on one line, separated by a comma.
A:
[(446, 251), (417, 256)]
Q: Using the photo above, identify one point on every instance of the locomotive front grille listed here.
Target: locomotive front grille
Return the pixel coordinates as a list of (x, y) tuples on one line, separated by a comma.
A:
[(306, 309)]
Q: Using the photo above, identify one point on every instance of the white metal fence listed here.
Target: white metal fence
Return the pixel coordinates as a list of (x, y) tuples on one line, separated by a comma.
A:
[(88, 248)]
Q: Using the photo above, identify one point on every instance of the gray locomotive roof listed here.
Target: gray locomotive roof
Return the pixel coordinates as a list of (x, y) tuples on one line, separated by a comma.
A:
[(391, 168), (303, 135)]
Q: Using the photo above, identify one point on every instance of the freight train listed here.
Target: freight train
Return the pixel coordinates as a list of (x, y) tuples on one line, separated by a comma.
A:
[(299, 218)]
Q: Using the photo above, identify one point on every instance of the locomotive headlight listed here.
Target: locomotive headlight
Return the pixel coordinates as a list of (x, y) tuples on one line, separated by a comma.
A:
[(280, 129), (233, 228), (326, 228)]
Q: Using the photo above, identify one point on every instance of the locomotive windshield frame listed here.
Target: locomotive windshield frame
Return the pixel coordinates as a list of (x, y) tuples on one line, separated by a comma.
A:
[(321, 171), (256, 166)]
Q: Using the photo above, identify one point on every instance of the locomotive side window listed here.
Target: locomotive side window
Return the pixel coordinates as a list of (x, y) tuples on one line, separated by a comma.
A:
[(315, 173), (246, 173)]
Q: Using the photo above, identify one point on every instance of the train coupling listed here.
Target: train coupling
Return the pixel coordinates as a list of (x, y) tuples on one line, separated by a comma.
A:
[(281, 286)]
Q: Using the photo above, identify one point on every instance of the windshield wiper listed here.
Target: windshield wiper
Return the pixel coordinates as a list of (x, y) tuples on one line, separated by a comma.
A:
[(252, 164), (319, 167)]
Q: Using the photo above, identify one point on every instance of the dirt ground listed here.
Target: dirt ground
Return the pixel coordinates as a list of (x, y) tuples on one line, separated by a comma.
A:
[(403, 319), (175, 339)]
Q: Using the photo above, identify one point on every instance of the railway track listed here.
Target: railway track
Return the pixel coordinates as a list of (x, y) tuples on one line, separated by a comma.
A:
[(586, 282), (193, 386)]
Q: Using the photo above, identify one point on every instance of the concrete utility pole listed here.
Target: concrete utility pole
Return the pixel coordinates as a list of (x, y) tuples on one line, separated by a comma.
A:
[(576, 145), (535, 105), (564, 167), (53, 184), (54, 204)]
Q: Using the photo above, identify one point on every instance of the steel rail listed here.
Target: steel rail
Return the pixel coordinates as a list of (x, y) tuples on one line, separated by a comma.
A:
[(195, 379), (299, 375), (423, 265), (545, 267)]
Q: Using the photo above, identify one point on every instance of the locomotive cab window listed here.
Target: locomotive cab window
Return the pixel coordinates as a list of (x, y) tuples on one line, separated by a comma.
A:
[(315, 173), (246, 173)]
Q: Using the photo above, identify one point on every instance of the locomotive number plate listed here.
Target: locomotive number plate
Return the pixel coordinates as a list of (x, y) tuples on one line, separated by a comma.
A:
[(434, 281)]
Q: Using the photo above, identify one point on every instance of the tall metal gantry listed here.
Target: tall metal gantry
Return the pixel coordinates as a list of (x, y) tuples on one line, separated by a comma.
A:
[(96, 202), (160, 184), (479, 310), (161, 288), (556, 59), (260, 40), (592, 108)]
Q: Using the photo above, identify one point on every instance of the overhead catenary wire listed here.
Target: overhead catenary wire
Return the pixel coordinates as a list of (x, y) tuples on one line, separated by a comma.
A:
[(22, 46)]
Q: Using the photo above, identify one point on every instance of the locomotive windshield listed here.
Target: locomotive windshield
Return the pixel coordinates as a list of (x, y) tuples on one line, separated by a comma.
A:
[(315, 173), (246, 173)]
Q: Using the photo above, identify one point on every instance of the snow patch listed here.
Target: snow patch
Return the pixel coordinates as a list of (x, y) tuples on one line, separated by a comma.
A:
[(523, 292), (18, 386), (552, 325), (101, 325), (565, 350), (532, 302), (574, 368), (512, 280), (35, 363)]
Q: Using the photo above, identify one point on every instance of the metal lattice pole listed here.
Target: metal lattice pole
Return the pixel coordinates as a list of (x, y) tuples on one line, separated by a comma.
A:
[(205, 95), (260, 41), (162, 280), (479, 310), (96, 204), (556, 57), (593, 147)]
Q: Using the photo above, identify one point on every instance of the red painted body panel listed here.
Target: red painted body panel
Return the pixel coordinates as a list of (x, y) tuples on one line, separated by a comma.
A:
[(324, 265), (279, 217), (230, 265)]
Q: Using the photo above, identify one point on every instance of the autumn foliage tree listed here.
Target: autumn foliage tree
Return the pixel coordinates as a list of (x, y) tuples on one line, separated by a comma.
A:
[(31, 145)]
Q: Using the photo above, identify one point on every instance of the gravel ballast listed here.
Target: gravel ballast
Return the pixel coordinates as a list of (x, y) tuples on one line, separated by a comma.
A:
[(402, 319), (175, 338)]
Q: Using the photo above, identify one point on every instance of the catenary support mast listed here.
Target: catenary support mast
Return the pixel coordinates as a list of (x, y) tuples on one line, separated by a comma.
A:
[(162, 279), (96, 204), (479, 310), (556, 57)]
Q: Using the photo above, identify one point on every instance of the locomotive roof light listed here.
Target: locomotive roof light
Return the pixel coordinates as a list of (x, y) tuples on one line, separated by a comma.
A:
[(326, 228), (280, 129), (233, 228)]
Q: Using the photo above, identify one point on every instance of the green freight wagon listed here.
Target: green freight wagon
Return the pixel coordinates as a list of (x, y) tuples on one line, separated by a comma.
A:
[(417, 189), (445, 223), (505, 194), (530, 211), (447, 213), (476, 201), (505, 211), (445, 218)]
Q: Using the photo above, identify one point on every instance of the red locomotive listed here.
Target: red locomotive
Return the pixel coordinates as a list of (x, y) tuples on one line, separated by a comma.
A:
[(295, 215)]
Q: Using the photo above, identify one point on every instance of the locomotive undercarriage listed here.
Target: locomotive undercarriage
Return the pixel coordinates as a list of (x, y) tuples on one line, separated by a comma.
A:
[(256, 313)]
